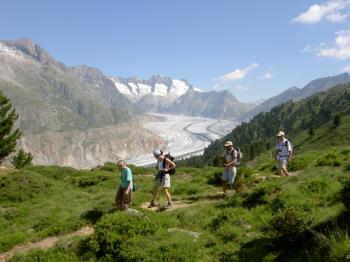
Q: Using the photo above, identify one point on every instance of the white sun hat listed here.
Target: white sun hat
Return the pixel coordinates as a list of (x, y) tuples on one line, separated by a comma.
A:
[(156, 153), (228, 143), (280, 133)]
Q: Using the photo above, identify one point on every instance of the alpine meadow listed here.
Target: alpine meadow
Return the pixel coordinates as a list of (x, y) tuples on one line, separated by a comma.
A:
[(173, 131)]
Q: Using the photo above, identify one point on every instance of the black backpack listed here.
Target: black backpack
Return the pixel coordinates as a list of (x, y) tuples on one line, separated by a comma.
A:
[(171, 171)]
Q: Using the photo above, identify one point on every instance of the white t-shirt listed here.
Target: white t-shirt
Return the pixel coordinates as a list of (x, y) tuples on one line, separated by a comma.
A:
[(230, 155), (283, 148)]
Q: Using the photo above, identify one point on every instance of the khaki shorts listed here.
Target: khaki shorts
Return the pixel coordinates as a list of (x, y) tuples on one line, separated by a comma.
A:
[(162, 181), (123, 201), (282, 163), (229, 174)]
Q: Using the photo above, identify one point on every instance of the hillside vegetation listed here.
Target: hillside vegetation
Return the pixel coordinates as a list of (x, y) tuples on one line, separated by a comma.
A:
[(304, 217), (309, 124)]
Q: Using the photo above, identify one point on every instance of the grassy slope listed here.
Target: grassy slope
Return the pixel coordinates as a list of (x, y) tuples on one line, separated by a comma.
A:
[(241, 228), (235, 229)]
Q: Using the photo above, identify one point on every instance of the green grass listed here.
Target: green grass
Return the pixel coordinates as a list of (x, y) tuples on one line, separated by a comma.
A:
[(41, 201)]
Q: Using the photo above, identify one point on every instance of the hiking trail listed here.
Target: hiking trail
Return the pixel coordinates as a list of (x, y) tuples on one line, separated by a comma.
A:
[(45, 243)]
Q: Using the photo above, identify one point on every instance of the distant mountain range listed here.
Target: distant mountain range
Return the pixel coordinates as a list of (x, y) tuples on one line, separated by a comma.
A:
[(75, 115), (162, 94), (296, 94)]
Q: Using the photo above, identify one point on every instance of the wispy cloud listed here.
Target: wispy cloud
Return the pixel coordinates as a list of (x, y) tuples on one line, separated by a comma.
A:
[(267, 75), (226, 81), (238, 74), (341, 47), (331, 10), (345, 69)]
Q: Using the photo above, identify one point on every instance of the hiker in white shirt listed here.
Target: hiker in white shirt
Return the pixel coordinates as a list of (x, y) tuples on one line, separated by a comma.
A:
[(283, 153)]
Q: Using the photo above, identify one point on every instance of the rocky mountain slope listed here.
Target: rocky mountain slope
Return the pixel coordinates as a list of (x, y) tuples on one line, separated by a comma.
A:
[(296, 94), (61, 108)]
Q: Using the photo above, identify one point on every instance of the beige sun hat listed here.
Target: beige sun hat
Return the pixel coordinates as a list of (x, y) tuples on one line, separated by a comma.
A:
[(280, 133), (228, 143)]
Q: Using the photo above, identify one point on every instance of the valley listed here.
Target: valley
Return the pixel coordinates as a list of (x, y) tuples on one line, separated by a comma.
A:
[(184, 135)]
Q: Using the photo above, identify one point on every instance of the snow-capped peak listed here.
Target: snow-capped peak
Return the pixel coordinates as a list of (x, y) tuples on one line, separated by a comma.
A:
[(7, 50), (159, 86)]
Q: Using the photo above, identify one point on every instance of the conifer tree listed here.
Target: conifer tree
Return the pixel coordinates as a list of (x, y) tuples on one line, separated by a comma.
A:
[(8, 136)]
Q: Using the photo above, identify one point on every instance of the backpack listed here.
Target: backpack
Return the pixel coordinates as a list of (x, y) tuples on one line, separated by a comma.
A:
[(171, 171), (239, 155)]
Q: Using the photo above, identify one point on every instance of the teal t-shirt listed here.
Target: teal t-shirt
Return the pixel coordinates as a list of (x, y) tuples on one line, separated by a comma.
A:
[(126, 177)]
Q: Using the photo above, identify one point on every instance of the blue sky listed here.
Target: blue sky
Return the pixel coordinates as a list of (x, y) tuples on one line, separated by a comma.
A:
[(256, 49)]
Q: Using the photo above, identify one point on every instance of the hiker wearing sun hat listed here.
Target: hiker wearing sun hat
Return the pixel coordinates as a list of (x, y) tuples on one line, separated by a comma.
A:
[(283, 153), (230, 170), (162, 179)]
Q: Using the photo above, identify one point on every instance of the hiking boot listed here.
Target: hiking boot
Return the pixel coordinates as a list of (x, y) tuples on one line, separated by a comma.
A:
[(169, 205), (152, 204)]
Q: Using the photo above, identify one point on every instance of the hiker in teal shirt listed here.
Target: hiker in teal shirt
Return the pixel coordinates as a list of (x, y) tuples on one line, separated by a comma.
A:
[(123, 196)]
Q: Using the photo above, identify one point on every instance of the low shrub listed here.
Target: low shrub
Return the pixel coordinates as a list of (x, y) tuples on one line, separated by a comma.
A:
[(346, 166), (21, 186), (164, 246), (109, 167), (114, 229), (339, 245), (90, 180), (21, 159), (52, 255), (244, 171), (334, 159), (260, 195), (298, 163), (215, 179), (288, 225)]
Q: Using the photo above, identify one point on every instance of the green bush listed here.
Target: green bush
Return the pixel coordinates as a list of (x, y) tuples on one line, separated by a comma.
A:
[(339, 246), (215, 179), (164, 246), (244, 171), (110, 167), (260, 195), (114, 229), (52, 255), (21, 186), (334, 159), (21, 159), (298, 163), (346, 166), (90, 180), (289, 224)]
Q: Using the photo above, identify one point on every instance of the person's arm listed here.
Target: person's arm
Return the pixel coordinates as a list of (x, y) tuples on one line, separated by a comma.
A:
[(289, 151), (129, 179), (234, 157), (170, 163)]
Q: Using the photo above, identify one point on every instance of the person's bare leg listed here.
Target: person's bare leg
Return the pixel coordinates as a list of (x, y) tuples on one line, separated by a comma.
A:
[(285, 171), (167, 195), (154, 194), (224, 187)]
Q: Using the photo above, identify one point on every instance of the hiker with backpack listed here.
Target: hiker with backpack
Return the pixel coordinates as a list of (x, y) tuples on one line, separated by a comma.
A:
[(165, 166), (283, 153), (230, 165), (123, 196)]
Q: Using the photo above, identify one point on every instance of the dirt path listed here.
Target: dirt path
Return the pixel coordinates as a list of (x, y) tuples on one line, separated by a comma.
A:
[(186, 203), (45, 243)]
